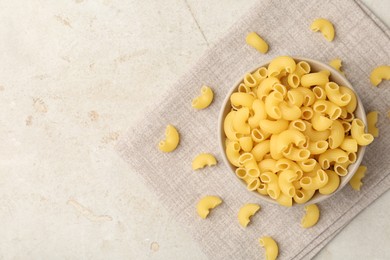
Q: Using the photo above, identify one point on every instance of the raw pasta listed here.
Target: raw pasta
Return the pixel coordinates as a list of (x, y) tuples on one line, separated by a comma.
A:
[(325, 27), (254, 40), (372, 119), (378, 74), (207, 203), (311, 217), (296, 134), (356, 181), (202, 160), (337, 64), (247, 211), (205, 98), (271, 247), (171, 141)]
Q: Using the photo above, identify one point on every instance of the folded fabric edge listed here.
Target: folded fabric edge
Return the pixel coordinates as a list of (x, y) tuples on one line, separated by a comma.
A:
[(373, 17)]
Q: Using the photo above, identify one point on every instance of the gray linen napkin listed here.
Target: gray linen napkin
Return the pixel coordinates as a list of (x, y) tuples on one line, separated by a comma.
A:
[(361, 41)]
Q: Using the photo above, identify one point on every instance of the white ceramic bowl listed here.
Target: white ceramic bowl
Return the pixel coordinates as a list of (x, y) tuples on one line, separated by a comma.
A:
[(315, 66)]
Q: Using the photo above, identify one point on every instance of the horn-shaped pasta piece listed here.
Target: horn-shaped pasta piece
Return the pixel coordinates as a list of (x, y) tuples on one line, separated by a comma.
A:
[(258, 108), (334, 94), (303, 196), (270, 246), (314, 79), (228, 128), (268, 165), (246, 143), (337, 135), (357, 132), (202, 160), (240, 121), (302, 68), (271, 179), (288, 137), (285, 182), (353, 103), (273, 126), (284, 200), (250, 81), (337, 64), (233, 153), (332, 156), (242, 100), (260, 150), (308, 95), (205, 98), (325, 27), (311, 217), (329, 108), (320, 122), (333, 183), (272, 102), (171, 140), (293, 80), (378, 74), (372, 119), (356, 181), (279, 64), (295, 97), (207, 203), (265, 87), (246, 212), (319, 180), (296, 154), (260, 74), (349, 144), (254, 40), (307, 165)]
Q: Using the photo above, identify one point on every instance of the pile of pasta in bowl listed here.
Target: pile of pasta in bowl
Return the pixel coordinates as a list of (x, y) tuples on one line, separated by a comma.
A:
[(293, 131)]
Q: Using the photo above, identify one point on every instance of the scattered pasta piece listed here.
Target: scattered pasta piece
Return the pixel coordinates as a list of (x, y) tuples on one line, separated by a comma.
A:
[(311, 217), (271, 247), (254, 40), (202, 160), (325, 27), (378, 74), (205, 98), (171, 140), (372, 119), (247, 211), (356, 181), (206, 204), (337, 64)]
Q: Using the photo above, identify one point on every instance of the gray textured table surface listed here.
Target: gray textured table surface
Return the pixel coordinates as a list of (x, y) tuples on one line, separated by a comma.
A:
[(73, 76)]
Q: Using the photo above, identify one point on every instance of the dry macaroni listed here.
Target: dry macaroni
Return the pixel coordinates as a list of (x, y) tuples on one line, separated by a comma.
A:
[(325, 27), (378, 74), (207, 203), (171, 140), (205, 98), (202, 160), (311, 217), (247, 211), (291, 132)]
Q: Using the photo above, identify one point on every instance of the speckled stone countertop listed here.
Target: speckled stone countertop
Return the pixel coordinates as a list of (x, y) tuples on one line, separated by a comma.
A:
[(74, 75)]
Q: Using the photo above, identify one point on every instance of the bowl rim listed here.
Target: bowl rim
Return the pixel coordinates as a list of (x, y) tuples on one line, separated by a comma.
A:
[(352, 168)]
